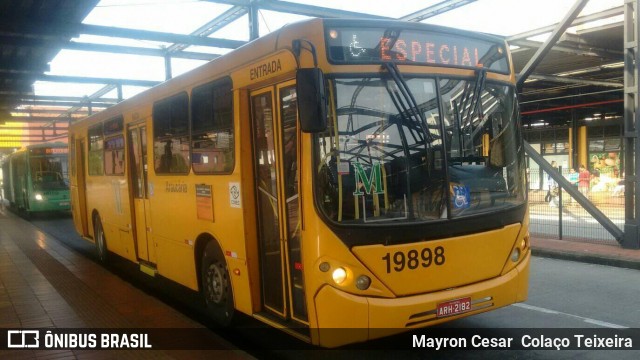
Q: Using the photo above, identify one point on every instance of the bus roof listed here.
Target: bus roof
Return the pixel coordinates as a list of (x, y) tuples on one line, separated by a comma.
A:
[(263, 46)]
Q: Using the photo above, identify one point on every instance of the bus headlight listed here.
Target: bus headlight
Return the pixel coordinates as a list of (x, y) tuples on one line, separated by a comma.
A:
[(339, 275), (39, 197)]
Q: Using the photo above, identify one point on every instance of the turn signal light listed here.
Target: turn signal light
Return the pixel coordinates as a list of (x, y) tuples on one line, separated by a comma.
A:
[(515, 255)]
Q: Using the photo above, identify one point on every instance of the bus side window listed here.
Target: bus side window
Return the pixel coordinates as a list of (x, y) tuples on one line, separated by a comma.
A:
[(96, 145), (171, 135), (212, 138)]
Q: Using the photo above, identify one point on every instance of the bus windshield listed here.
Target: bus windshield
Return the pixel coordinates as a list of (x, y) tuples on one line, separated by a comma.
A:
[(49, 173), (418, 149)]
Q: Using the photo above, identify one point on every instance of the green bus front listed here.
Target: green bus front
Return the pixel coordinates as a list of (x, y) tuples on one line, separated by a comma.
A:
[(49, 180), (39, 179)]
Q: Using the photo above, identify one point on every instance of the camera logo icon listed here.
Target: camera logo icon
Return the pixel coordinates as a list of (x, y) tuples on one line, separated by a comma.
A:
[(21, 339)]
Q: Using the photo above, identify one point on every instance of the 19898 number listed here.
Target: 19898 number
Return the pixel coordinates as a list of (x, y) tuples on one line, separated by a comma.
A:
[(414, 259)]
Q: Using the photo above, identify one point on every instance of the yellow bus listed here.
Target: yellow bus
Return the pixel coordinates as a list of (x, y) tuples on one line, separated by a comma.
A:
[(361, 175)]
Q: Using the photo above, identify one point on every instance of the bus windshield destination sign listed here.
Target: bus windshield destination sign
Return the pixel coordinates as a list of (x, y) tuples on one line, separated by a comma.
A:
[(351, 45)]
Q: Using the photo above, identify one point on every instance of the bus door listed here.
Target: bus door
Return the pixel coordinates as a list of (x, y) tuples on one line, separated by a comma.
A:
[(137, 160), (275, 138), (80, 190)]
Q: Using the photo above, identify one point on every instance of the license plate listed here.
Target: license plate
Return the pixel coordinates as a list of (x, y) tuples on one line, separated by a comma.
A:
[(65, 203), (453, 307)]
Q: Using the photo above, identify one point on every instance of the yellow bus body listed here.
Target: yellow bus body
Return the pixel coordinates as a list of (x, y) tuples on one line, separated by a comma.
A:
[(171, 241)]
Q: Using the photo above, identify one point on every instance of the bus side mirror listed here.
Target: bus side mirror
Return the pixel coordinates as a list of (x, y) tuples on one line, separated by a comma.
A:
[(312, 100)]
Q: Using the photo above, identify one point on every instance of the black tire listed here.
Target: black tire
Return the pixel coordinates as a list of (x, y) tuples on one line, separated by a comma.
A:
[(216, 286), (100, 240)]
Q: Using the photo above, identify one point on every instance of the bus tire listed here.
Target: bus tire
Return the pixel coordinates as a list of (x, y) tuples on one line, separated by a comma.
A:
[(216, 285), (100, 240)]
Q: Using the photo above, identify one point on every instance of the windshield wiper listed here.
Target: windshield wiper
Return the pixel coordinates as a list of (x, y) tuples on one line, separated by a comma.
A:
[(404, 93), (470, 104), (409, 112)]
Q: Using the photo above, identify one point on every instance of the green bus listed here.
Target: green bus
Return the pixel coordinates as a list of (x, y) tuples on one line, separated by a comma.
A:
[(36, 178)]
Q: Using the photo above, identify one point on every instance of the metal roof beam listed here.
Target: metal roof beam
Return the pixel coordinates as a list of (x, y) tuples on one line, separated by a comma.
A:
[(136, 51), (82, 46), (584, 50), (211, 27), (3, 137), (544, 49), (18, 89), (6, 144), (437, 9), (245, 3), (570, 80), (158, 36), (34, 128), (24, 66), (34, 119), (81, 79), (59, 29), (312, 11), (615, 25), (54, 103), (49, 111), (58, 98), (578, 21), (96, 95), (18, 40)]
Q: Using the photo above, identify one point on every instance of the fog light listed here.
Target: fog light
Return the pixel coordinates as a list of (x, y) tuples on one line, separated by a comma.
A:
[(339, 275), (324, 267), (39, 197), (363, 282), (515, 255)]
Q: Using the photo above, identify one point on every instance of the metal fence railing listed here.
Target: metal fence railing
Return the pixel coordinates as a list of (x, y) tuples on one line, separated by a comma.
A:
[(560, 217)]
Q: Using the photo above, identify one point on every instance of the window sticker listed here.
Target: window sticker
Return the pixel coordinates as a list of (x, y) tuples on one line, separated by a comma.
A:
[(461, 196), (235, 200), (343, 168), (370, 184)]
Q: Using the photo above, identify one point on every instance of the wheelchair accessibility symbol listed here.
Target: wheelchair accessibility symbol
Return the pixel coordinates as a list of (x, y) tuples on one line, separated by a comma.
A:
[(461, 196)]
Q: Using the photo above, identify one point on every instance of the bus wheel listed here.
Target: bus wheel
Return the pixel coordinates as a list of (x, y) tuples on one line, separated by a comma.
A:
[(101, 242), (216, 285)]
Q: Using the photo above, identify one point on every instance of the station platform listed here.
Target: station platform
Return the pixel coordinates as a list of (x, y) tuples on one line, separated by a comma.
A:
[(44, 284), (587, 252)]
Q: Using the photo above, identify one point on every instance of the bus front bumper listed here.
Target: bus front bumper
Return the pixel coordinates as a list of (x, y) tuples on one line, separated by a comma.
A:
[(345, 318), (50, 205)]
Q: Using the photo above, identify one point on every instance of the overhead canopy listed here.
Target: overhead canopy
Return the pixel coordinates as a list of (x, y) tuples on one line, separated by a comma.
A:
[(580, 78)]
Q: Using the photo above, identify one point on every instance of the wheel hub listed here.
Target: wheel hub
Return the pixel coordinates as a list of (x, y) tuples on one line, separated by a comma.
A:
[(215, 284)]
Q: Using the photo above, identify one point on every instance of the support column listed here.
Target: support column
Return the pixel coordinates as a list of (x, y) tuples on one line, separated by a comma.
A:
[(631, 238), (167, 67), (583, 147), (573, 137), (254, 21)]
